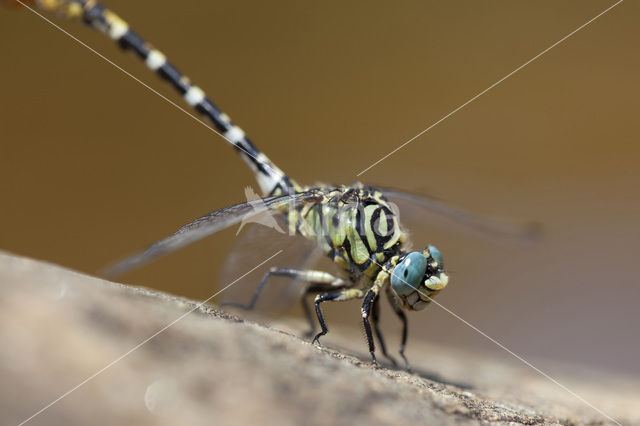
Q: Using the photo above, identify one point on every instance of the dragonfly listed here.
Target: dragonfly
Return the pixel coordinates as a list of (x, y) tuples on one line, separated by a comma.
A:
[(356, 226)]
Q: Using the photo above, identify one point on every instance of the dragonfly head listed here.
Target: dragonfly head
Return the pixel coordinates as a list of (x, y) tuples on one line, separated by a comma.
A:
[(418, 276)]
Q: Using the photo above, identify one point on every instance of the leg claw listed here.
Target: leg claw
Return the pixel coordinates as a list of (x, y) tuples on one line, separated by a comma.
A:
[(374, 361), (406, 363), (316, 340)]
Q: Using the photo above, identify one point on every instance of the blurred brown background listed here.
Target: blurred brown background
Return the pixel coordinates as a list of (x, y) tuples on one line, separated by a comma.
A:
[(93, 166)]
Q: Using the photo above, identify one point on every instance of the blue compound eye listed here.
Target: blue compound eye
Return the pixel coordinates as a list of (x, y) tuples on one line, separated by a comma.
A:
[(436, 255), (407, 276)]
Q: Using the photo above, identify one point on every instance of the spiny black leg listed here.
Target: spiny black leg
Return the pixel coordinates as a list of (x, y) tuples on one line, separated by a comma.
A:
[(314, 288), (366, 311), (318, 279), (375, 319), (319, 299), (337, 296)]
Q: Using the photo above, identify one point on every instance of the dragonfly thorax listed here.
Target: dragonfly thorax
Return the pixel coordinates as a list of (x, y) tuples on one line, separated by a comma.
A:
[(355, 226)]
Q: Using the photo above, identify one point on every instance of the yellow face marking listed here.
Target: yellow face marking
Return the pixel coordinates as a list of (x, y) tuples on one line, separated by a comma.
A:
[(437, 283)]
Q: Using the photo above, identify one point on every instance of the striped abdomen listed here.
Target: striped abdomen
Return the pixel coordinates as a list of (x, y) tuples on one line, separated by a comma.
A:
[(271, 179)]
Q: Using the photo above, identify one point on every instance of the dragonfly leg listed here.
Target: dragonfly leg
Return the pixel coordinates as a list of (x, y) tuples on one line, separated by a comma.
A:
[(367, 305), (375, 319), (405, 326), (314, 288), (309, 276), (335, 296)]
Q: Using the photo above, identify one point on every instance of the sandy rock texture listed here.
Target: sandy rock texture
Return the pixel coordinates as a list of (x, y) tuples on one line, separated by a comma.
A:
[(136, 364)]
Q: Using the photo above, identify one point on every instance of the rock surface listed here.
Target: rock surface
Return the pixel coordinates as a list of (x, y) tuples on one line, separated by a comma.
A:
[(142, 357)]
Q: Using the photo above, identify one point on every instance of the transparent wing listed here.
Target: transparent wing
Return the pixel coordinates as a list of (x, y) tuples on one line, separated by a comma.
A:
[(210, 224), (281, 293), (524, 231)]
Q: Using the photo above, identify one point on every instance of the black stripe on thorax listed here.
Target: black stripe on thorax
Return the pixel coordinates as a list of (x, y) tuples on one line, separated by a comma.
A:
[(381, 240), (361, 228)]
